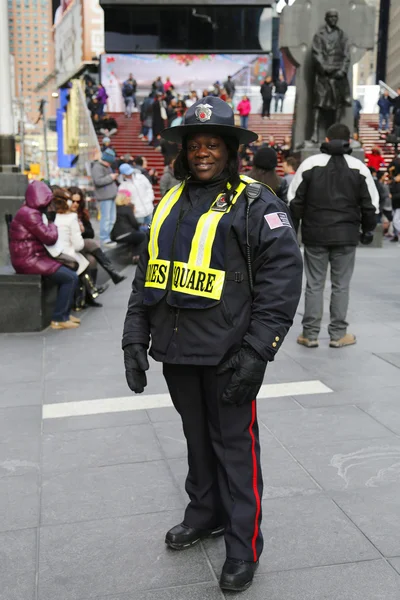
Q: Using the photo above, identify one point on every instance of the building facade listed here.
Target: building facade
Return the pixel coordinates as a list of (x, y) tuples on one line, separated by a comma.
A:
[(393, 52), (32, 47)]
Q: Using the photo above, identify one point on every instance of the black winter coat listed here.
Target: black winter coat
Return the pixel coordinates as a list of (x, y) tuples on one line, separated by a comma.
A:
[(206, 337), (125, 222), (266, 91), (333, 195)]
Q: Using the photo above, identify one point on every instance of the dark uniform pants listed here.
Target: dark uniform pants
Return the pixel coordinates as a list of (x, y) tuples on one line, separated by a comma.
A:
[(224, 481)]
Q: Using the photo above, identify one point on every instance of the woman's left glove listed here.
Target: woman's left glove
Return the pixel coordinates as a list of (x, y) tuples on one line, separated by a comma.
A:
[(249, 370), (136, 363)]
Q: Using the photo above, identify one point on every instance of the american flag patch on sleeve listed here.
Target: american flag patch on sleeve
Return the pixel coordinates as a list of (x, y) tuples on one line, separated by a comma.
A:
[(277, 219)]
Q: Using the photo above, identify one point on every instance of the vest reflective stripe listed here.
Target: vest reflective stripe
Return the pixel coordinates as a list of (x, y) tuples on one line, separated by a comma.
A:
[(165, 207), (192, 274), (202, 243)]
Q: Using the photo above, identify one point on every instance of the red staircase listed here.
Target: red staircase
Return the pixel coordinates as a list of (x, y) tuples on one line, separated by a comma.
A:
[(126, 140)]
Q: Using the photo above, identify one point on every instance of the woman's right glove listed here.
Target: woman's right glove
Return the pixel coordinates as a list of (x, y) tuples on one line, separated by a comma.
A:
[(136, 363)]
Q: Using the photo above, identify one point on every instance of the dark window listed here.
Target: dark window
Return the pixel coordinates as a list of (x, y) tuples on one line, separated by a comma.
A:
[(182, 28)]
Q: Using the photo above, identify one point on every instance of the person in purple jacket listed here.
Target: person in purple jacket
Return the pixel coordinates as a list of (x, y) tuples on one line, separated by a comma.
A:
[(29, 233), (102, 98)]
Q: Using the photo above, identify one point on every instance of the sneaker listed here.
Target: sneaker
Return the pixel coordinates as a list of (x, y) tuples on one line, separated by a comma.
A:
[(74, 319), (63, 325), (303, 341), (394, 238), (110, 244), (347, 340)]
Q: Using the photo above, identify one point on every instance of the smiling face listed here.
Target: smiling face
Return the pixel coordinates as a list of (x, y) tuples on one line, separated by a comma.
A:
[(207, 156)]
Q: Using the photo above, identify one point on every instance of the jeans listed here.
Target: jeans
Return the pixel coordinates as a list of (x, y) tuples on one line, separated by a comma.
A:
[(266, 108), (144, 220), (279, 97), (108, 214), (244, 120), (147, 132), (384, 122), (67, 281), (130, 102), (316, 261)]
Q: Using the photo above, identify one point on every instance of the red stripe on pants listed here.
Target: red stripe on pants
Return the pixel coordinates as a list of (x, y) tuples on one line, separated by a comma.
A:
[(255, 480)]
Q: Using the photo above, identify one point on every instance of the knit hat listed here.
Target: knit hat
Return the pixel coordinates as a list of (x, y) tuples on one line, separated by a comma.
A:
[(108, 155), (265, 158)]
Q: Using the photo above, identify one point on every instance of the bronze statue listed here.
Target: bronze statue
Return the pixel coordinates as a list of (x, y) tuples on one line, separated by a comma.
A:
[(331, 61)]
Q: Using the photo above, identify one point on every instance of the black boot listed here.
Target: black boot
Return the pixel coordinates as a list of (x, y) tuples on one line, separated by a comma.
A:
[(79, 297), (237, 575), (181, 536), (100, 288), (107, 265), (91, 290)]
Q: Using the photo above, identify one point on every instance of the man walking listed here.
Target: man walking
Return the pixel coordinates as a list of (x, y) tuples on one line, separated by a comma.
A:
[(105, 191), (384, 112), (266, 94), (334, 197), (230, 87), (280, 91), (129, 94)]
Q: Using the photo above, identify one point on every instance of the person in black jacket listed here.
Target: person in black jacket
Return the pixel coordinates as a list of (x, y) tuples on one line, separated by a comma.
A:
[(280, 92), (334, 196), (265, 162), (126, 229), (92, 250), (217, 299), (266, 93)]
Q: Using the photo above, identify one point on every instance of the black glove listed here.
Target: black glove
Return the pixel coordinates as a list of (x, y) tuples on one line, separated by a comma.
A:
[(249, 369), (367, 237), (136, 363)]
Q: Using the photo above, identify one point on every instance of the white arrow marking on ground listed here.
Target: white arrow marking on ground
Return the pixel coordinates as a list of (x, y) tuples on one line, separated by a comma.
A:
[(126, 403)]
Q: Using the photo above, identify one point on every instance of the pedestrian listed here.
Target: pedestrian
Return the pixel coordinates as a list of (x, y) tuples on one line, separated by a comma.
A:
[(334, 196), (375, 159), (265, 162), (141, 192), (168, 179), (102, 98), (280, 92), (168, 85), (357, 108), (215, 328), (395, 194), (244, 109), (272, 144), (105, 190), (159, 115), (146, 118), (140, 164), (158, 86), (126, 228), (91, 249), (266, 93), (129, 95), (286, 148), (230, 87), (30, 231), (289, 168), (384, 112)]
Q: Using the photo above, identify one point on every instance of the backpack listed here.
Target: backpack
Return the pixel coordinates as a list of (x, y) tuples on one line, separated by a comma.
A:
[(127, 90)]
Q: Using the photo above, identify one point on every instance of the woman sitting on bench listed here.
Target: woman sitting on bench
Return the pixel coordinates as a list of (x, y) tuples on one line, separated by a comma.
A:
[(29, 232)]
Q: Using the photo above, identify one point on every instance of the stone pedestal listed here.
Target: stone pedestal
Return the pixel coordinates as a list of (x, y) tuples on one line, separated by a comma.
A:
[(12, 196)]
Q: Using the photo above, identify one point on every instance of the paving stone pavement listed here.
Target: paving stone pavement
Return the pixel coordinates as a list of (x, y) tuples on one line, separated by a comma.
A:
[(85, 500)]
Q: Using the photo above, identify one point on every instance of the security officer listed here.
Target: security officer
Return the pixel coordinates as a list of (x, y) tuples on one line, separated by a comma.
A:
[(216, 292)]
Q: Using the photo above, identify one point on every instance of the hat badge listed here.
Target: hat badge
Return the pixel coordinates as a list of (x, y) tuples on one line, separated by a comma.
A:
[(203, 112)]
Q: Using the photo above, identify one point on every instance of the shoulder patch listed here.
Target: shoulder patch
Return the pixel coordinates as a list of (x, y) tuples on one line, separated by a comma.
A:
[(277, 219)]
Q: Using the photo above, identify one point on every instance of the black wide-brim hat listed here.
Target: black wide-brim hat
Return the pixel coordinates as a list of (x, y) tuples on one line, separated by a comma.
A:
[(209, 115)]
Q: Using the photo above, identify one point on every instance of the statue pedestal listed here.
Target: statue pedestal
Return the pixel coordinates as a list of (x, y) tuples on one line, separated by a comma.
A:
[(13, 187)]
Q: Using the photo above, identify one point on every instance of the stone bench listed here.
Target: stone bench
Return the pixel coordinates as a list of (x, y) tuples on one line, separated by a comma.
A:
[(26, 301)]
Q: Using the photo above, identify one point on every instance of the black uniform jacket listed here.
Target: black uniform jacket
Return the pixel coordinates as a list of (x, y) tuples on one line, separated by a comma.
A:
[(207, 336)]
